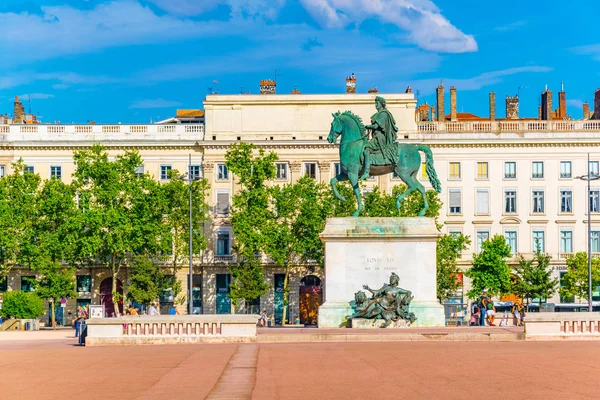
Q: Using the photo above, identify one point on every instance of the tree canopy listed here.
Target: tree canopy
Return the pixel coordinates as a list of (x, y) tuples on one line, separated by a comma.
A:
[(490, 272), (575, 281)]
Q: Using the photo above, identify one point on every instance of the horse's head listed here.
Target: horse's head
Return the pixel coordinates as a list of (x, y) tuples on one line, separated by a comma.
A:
[(336, 128)]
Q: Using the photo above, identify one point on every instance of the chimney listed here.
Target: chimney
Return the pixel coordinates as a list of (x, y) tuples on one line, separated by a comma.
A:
[(440, 102), (492, 106), (562, 102), (351, 84), (432, 114), (373, 90), (547, 105), (423, 112), (267, 86), (453, 116), (18, 112), (512, 107), (586, 110), (596, 104)]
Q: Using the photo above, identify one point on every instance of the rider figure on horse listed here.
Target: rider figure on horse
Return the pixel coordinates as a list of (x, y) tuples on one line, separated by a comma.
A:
[(380, 149)]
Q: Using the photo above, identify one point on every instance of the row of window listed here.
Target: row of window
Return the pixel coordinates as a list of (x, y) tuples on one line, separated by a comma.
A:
[(84, 284), (510, 170), (55, 171), (538, 240), (510, 201)]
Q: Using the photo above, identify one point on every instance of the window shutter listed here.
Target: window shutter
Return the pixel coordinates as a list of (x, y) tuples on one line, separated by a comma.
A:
[(223, 203), (455, 198), (483, 202)]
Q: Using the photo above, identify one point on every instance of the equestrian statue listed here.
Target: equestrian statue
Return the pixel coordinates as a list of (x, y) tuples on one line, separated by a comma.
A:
[(381, 155)]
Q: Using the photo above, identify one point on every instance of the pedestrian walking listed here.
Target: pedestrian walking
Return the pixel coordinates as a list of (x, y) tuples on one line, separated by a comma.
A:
[(482, 304)]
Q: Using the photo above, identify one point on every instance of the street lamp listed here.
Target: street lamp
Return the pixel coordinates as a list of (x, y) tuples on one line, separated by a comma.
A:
[(191, 179), (589, 177)]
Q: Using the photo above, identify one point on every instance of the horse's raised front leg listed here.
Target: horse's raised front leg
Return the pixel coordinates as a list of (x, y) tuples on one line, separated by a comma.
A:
[(353, 177), (338, 178)]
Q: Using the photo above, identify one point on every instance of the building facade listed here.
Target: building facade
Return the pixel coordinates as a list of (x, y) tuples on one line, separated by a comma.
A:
[(513, 178)]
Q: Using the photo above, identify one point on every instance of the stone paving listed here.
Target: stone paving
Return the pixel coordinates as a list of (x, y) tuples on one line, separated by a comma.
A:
[(57, 369)]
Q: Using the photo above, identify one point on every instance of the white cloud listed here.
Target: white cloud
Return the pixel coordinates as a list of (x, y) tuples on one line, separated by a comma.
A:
[(239, 8), (427, 86), (36, 96), (511, 27), (423, 21), (575, 103), (154, 103), (64, 30), (592, 50)]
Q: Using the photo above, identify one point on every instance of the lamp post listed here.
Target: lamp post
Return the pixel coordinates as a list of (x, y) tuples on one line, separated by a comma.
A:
[(190, 179), (589, 177)]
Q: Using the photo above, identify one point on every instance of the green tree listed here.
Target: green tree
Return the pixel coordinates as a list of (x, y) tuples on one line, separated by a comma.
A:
[(250, 214), (53, 243), (21, 305), (575, 281), (54, 282), (381, 204), (300, 211), (17, 217), (448, 250), (120, 214), (176, 237), (534, 278), (490, 271), (146, 280)]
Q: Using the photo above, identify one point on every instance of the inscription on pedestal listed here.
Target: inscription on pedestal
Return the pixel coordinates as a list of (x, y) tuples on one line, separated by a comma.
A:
[(374, 264)]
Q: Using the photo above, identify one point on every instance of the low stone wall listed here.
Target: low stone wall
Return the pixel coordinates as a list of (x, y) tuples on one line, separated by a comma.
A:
[(171, 329), (562, 326)]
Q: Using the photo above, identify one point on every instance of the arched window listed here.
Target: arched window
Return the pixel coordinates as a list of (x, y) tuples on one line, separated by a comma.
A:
[(310, 280)]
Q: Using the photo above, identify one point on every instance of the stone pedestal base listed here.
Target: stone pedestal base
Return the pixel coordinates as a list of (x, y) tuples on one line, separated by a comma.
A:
[(365, 251), (428, 313), (362, 323), (334, 315)]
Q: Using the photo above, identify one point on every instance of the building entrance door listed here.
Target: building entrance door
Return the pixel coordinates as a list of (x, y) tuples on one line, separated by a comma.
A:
[(278, 300), (223, 300), (106, 297), (311, 297)]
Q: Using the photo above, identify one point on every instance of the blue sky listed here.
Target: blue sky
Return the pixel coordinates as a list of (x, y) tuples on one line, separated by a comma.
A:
[(135, 60)]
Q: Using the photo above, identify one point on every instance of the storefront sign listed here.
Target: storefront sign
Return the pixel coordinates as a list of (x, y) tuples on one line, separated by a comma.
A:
[(97, 311)]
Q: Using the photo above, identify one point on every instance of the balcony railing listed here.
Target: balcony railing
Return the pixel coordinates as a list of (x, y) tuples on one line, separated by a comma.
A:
[(12, 133), (508, 126)]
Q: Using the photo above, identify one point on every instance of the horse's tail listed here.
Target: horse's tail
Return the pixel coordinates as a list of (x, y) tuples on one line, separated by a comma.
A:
[(433, 179)]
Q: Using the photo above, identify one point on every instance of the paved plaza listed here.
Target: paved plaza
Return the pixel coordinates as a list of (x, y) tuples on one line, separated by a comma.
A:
[(57, 369)]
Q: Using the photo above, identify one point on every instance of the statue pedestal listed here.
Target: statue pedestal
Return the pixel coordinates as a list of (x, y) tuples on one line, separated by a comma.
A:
[(365, 251), (363, 323)]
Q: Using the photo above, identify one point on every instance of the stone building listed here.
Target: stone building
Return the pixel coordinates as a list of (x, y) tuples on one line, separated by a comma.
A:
[(513, 178)]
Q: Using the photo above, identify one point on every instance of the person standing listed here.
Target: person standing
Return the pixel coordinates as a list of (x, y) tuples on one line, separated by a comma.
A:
[(79, 320), (490, 312), (482, 303), (153, 311)]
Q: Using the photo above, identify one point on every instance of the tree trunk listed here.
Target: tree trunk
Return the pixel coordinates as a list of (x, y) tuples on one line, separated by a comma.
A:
[(53, 314)]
